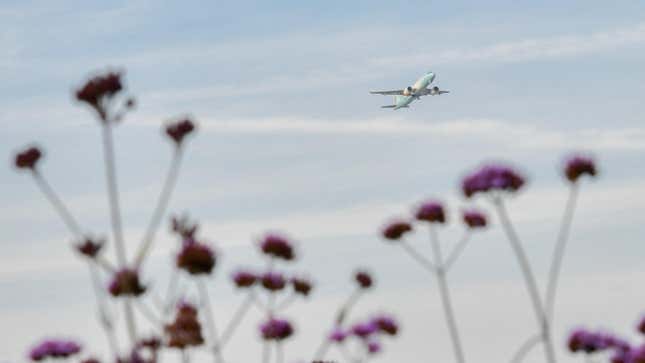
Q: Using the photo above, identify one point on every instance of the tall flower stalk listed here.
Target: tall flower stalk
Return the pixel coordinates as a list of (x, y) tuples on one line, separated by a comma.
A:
[(432, 213)]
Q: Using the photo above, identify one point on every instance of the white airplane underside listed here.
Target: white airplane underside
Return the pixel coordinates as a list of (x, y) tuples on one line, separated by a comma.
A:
[(404, 97)]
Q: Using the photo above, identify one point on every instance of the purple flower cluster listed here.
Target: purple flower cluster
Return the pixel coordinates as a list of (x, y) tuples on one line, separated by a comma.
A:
[(244, 278), (431, 211), (28, 158), (90, 247), (196, 258), (364, 279), (581, 340), (54, 348), (474, 219), (273, 281), (178, 130), (396, 229), (301, 285), (97, 90), (492, 177), (276, 329), (579, 165), (277, 246), (126, 283), (367, 331)]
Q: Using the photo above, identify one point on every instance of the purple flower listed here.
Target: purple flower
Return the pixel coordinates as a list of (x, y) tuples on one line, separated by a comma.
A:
[(273, 281), (186, 330), (492, 177), (28, 158), (363, 330), (196, 258), (277, 246), (578, 165), (386, 324), (276, 329), (54, 348), (364, 279), (178, 130), (100, 89), (301, 285), (431, 211), (590, 342), (396, 229), (90, 247), (126, 283), (244, 279), (373, 347), (338, 335), (474, 219)]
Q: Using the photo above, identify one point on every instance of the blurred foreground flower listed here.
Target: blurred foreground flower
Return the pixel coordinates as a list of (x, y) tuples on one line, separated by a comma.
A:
[(54, 348)]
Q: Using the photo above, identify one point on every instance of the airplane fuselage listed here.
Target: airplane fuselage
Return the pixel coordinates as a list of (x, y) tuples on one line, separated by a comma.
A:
[(409, 94)]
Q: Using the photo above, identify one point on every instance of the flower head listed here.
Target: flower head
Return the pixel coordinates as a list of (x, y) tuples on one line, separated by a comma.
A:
[(90, 247), (28, 158), (54, 348), (492, 177), (373, 347), (100, 89), (363, 330), (431, 211), (277, 246), (243, 279), (577, 166), (474, 219), (590, 342), (396, 229), (178, 130), (338, 335), (276, 329), (273, 281), (386, 324), (301, 285), (126, 283), (186, 330), (364, 279), (196, 258)]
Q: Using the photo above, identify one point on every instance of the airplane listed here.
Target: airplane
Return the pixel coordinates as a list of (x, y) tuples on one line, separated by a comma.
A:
[(404, 97)]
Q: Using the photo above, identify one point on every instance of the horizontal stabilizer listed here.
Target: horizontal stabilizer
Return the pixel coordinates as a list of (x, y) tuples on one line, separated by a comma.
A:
[(388, 106)]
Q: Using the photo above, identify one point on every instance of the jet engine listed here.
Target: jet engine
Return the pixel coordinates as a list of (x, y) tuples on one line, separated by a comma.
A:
[(408, 91), (434, 90)]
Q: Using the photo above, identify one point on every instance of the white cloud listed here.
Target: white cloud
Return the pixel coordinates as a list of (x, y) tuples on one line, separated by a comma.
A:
[(525, 50)]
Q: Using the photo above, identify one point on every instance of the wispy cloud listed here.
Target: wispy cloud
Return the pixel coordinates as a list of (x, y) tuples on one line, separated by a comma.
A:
[(515, 134), (525, 50)]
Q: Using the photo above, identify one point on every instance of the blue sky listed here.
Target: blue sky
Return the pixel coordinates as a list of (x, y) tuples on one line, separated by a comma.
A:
[(291, 140)]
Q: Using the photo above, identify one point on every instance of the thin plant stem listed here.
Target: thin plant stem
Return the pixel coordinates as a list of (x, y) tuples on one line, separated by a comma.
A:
[(160, 209), (266, 352), (185, 356), (525, 348), (57, 203), (558, 252), (148, 314), (104, 318), (115, 217), (210, 319), (342, 313), (286, 302), (427, 264), (279, 353), (170, 293), (456, 251), (445, 297), (529, 279), (236, 320)]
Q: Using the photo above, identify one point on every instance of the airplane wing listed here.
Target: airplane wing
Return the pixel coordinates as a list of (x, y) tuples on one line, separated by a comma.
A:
[(394, 92)]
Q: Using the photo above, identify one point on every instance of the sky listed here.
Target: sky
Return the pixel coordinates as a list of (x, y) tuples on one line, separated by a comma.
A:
[(289, 139)]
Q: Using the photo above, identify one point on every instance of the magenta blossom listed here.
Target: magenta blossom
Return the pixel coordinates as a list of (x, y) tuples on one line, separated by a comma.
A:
[(431, 211), (277, 246), (178, 130), (196, 258), (579, 165), (386, 324), (363, 330), (364, 279), (126, 283), (28, 158), (244, 279), (273, 281), (373, 347), (492, 177), (474, 219), (338, 335), (54, 348), (396, 229), (276, 329)]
